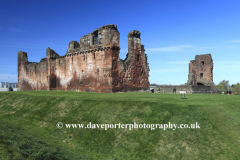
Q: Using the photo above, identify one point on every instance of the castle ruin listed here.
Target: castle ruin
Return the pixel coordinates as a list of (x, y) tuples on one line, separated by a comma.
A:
[(200, 78), (91, 66), (201, 71)]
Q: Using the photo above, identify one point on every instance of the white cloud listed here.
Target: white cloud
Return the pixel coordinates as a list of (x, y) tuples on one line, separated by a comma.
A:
[(7, 69), (234, 41), (169, 49), (226, 66), (16, 30), (12, 47), (181, 62), (12, 29), (33, 47), (227, 62), (169, 70), (12, 77)]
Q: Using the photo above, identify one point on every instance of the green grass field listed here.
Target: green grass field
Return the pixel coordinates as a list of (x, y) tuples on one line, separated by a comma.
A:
[(28, 126)]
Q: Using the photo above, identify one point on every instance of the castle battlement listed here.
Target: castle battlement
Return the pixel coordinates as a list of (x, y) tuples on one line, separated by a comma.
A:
[(93, 65)]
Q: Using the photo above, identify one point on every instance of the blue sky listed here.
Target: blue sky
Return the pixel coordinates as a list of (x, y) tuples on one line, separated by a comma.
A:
[(172, 31)]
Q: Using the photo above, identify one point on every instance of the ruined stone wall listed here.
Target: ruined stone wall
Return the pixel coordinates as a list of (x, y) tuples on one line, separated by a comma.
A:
[(201, 71), (169, 88), (90, 72), (31, 75), (188, 88), (92, 66), (132, 73), (202, 89)]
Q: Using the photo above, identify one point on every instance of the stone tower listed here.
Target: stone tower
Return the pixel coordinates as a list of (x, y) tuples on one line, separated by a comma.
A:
[(201, 71), (93, 65)]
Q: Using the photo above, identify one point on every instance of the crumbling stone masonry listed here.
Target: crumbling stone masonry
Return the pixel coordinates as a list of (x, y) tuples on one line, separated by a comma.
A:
[(200, 78), (91, 66), (184, 87), (201, 71)]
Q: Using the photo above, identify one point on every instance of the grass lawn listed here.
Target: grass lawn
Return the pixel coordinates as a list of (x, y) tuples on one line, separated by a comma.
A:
[(28, 126)]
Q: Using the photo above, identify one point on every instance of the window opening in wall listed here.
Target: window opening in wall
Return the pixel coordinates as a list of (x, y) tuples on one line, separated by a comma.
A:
[(202, 62), (201, 75), (200, 84), (95, 38), (138, 57)]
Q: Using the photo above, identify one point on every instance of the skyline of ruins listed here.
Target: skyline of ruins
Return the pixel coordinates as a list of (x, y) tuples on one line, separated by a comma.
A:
[(172, 33)]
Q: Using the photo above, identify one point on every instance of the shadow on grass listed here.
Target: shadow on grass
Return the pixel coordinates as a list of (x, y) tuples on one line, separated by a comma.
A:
[(17, 143)]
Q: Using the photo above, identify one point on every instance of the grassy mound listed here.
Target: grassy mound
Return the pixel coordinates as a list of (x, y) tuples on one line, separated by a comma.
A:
[(28, 128)]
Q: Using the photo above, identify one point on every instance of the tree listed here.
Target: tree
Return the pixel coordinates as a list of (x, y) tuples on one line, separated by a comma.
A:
[(223, 85), (236, 89), (220, 86)]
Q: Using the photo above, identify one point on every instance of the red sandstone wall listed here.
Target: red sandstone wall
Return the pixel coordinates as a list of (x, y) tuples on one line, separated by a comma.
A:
[(31, 75), (132, 73), (206, 69), (89, 72), (92, 66), (196, 67)]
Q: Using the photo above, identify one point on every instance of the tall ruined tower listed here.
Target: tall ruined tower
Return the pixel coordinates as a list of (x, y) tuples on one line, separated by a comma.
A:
[(93, 65), (137, 60), (22, 60), (133, 72), (201, 71)]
